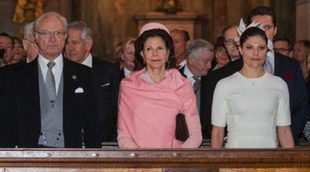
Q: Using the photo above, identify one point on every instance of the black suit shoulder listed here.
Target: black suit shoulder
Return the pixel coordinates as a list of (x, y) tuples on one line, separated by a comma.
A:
[(210, 83), (290, 71), (225, 71), (105, 66), (107, 77), (286, 60), (70, 65)]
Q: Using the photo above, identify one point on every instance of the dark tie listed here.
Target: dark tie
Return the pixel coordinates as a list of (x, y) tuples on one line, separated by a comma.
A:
[(50, 83), (196, 87)]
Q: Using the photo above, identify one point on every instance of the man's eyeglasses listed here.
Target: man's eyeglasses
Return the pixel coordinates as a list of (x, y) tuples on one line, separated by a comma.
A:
[(281, 50), (231, 41), (47, 34)]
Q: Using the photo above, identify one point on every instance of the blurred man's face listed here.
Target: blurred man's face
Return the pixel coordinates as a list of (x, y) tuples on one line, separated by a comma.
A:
[(7, 44), (18, 52), (266, 22), (230, 37), (281, 47), (179, 45), (200, 65), (31, 49), (221, 56), (77, 48), (299, 52)]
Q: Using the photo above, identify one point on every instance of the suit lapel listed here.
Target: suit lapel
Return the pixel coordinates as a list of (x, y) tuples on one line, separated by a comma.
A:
[(276, 64), (31, 87), (68, 87), (181, 70)]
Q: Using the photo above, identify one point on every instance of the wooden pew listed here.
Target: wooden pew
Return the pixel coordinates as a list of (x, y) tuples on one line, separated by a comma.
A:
[(112, 160)]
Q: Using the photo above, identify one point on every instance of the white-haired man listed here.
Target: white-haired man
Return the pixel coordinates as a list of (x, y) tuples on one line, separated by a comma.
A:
[(106, 78), (48, 100)]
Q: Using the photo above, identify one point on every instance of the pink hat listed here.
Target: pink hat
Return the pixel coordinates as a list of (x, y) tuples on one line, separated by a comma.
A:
[(153, 25)]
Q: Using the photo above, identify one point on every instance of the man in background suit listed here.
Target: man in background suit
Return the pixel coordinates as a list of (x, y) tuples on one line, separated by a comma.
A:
[(198, 62), (29, 43), (286, 68), (283, 46), (6, 43), (106, 78), (46, 103), (230, 34), (181, 41)]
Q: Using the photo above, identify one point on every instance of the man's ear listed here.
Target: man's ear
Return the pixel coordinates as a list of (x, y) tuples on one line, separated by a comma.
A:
[(141, 54), (188, 43), (275, 31), (240, 50), (89, 44), (36, 38), (24, 44)]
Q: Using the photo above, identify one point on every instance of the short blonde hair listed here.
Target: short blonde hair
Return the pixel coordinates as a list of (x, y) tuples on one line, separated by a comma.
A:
[(127, 43)]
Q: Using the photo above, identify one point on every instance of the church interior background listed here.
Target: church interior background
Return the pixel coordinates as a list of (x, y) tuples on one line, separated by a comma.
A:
[(115, 20)]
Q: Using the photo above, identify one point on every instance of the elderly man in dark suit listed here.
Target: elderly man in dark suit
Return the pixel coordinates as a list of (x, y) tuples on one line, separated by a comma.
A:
[(46, 103), (198, 63), (106, 78), (286, 68)]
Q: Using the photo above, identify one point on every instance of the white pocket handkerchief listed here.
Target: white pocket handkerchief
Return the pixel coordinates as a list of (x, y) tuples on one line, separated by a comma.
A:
[(106, 84), (79, 90)]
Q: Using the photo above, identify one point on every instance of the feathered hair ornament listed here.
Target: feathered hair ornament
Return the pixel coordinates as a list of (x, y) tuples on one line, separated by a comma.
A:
[(242, 27)]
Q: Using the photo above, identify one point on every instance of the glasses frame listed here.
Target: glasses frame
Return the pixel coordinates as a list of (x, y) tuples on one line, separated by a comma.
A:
[(47, 34)]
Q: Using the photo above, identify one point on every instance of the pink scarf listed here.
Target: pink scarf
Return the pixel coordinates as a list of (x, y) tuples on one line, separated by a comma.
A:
[(147, 111)]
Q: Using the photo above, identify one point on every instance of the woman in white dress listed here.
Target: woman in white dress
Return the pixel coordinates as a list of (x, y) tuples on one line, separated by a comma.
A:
[(252, 103)]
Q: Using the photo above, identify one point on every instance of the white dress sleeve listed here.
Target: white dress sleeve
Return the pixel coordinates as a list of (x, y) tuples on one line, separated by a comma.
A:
[(283, 117), (219, 105)]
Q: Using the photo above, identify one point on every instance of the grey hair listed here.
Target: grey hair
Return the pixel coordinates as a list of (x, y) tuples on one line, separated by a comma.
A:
[(28, 31), (199, 45), (48, 14), (81, 26)]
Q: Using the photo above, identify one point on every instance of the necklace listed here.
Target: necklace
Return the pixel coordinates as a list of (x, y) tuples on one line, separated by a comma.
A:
[(251, 81)]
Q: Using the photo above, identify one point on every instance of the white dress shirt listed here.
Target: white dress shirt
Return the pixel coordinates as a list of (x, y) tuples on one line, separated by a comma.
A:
[(57, 69), (189, 75), (88, 61), (270, 59), (126, 71), (183, 63)]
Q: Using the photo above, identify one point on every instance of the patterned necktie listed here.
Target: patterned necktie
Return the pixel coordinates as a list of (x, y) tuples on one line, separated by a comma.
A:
[(196, 87), (197, 84), (50, 83)]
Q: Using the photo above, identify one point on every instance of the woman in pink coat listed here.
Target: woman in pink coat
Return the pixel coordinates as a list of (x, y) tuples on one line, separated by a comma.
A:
[(151, 98)]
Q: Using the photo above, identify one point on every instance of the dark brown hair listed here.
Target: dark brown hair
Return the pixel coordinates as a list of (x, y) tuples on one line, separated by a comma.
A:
[(139, 46)]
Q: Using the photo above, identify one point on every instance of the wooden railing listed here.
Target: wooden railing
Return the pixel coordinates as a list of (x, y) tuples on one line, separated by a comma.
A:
[(155, 160)]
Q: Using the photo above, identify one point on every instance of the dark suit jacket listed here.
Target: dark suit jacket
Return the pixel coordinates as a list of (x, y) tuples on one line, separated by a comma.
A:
[(286, 68), (203, 98), (106, 78), (21, 100)]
